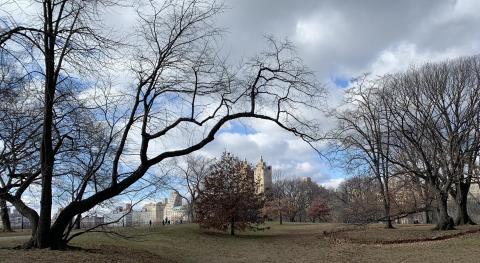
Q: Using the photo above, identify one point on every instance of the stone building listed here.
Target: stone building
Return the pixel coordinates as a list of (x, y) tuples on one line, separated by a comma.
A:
[(263, 176), (174, 211), (91, 221), (120, 216), (152, 211), (171, 209)]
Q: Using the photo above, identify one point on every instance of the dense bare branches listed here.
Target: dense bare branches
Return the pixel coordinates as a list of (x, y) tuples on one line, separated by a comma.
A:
[(180, 93), (421, 124), (366, 134), (191, 172)]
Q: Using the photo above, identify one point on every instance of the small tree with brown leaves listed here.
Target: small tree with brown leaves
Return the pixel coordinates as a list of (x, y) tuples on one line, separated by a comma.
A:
[(318, 209), (228, 198)]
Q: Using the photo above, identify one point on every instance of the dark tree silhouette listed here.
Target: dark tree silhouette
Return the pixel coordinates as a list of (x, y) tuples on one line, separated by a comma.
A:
[(179, 86)]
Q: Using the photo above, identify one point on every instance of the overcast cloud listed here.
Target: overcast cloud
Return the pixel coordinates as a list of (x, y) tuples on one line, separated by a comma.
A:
[(339, 40)]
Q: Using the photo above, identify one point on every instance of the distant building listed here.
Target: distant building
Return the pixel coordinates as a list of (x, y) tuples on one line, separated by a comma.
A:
[(120, 216), (307, 179), (263, 176), (174, 211), (151, 212), (91, 221), (171, 209)]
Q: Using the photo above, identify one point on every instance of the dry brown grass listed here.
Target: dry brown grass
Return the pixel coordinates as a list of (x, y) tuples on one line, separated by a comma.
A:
[(287, 243), (377, 234)]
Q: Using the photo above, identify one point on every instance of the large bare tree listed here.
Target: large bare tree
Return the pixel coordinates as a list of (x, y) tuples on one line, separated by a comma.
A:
[(20, 126), (179, 87), (435, 113), (366, 135)]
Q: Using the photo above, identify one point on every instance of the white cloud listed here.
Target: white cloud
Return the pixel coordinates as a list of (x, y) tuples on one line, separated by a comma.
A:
[(304, 167), (286, 153), (332, 183), (319, 29), (405, 54)]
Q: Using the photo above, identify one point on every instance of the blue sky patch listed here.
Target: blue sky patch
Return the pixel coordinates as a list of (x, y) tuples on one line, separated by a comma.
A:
[(341, 82), (239, 127)]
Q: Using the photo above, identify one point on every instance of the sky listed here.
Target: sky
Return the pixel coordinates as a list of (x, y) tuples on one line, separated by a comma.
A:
[(338, 40)]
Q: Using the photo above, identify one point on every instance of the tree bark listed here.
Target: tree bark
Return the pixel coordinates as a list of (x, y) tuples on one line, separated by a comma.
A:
[(47, 156), (57, 229), (462, 217), (428, 219), (7, 227), (444, 221), (386, 205), (27, 212), (384, 191)]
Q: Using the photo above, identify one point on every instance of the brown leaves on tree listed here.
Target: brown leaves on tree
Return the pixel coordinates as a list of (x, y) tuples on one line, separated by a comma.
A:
[(318, 210), (228, 198)]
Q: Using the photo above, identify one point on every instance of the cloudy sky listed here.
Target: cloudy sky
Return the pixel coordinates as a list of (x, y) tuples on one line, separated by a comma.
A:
[(339, 40)]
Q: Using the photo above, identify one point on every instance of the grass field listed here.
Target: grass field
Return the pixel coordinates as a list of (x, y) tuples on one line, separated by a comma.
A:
[(281, 243)]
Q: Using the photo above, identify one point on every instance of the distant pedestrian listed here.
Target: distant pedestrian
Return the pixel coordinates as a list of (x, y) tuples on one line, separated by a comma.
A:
[(169, 222), (150, 223), (163, 222)]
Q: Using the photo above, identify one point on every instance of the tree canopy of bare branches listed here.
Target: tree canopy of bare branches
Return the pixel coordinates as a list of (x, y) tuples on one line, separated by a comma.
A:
[(179, 87)]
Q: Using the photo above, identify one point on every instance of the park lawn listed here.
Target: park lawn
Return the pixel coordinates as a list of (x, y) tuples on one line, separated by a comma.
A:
[(281, 243), (16, 232), (377, 234)]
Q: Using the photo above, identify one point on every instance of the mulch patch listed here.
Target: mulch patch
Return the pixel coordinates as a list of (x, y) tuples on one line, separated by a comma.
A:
[(338, 238)]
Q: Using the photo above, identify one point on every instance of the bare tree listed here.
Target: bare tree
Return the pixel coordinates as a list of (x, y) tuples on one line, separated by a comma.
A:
[(360, 202), (366, 135), (459, 104), (276, 202), (294, 196), (436, 116), (180, 85), (192, 175), (20, 126)]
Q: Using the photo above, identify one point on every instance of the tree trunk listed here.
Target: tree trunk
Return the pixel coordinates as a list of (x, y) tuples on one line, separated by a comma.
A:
[(444, 221), (192, 213), (428, 219), (232, 227), (27, 212), (55, 232), (47, 154), (7, 227), (461, 198), (281, 217), (384, 191), (388, 217)]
